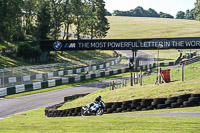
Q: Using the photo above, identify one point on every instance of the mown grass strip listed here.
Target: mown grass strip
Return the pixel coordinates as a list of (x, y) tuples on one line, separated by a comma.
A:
[(148, 90), (35, 122)]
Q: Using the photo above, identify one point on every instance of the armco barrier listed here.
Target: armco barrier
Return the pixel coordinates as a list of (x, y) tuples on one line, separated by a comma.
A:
[(55, 82), (27, 77), (186, 100), (68, 80)]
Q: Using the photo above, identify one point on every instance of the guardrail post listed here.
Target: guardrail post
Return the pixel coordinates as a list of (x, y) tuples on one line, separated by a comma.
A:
[(140, 77), (113, 85), (182, 74)]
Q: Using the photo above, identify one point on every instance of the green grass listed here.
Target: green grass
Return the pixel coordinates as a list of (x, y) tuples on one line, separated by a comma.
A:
[(124, 27), (36, 122), (10, 60), (139, 27), (149, 89), (188, 109)]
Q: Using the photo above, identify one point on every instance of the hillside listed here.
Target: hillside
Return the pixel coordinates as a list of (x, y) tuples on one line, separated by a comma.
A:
[(144, 27), (140, 27)]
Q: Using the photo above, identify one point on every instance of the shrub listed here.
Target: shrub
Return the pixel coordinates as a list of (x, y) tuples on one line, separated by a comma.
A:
[(26, 51)]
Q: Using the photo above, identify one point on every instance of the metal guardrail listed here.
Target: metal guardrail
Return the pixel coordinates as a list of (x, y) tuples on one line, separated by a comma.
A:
[(30, 74)]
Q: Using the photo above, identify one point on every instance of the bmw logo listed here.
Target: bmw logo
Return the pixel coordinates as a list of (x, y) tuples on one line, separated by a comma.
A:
[(57, 45)]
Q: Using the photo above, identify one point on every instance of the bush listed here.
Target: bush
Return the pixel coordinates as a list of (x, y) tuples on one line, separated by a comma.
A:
[(26, 51)]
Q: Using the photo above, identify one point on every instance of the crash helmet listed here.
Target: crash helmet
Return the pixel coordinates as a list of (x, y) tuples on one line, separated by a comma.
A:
[(99, 98)]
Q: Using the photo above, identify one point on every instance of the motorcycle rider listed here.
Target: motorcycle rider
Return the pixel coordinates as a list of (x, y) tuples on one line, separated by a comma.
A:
[(97, 101)]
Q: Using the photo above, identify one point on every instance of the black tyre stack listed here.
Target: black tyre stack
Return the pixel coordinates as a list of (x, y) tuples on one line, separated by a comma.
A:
[(186, 100)]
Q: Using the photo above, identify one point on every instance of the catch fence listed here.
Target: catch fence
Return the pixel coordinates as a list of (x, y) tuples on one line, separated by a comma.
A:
[(29, 74)]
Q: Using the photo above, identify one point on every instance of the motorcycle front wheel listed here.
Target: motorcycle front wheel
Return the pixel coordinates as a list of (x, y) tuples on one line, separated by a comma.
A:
[(100, 112)]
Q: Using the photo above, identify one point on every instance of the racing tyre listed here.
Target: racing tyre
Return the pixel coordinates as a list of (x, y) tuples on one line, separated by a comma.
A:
[(175, 105), (194, 99), (185, 96), (195, 95), (100, 112)]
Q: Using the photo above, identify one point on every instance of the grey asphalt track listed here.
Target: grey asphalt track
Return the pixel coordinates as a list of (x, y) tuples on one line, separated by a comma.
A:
[(168, 114), (10, 106), (143, 57)]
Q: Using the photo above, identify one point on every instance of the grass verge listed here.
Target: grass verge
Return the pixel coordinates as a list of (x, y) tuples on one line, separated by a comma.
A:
[(35, 122), (148, 90)]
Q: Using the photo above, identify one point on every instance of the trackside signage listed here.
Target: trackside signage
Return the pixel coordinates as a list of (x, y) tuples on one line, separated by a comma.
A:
[(122, 44)]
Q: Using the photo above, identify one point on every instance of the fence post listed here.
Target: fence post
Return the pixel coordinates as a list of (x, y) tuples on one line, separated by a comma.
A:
[(131, 79), (160, 76), (137, 78), (3, 78), (140, 77), (113, 85), (182, 75), (110, 85)]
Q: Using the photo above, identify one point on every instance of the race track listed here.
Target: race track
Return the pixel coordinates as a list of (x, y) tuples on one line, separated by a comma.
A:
[(9, 106)]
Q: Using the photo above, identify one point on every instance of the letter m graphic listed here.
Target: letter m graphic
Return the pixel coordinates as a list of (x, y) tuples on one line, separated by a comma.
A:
[(70, 45)]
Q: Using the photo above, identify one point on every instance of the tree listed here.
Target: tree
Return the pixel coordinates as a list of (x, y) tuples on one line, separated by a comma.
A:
[(43, 19), (29, 9), (108, 13), (139, 12), (67, 18), (89, 17), (2, 19), (11, 23), (197, 10), (165, 15), (102, 26), (56, 17), (78, 14), (152, 13), (190, 14), (180, 15)]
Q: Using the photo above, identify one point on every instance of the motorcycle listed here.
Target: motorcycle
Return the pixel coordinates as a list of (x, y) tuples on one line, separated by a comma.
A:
[(96, 109)]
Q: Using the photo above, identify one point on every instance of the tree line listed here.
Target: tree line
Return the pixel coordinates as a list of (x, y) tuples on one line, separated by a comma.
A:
[(46, 19), (140, 12)]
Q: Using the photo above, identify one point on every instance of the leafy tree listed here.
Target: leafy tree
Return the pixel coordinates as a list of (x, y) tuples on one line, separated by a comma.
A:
[(117, 13), (108, 13), (180, 15), (78, 14), (165, 15), (89, 18), (11, 23), (139, 12), (56, 17), (197, 10), (102, 25), (2, 19), (190, 14), (43, 19), (67, 18), (152, 13), (29, 9)]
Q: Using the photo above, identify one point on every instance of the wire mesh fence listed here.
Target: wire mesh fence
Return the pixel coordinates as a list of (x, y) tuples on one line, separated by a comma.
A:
[(30, 74)]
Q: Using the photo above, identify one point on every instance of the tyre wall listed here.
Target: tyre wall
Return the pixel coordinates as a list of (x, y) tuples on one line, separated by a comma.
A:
[(186, 100)]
